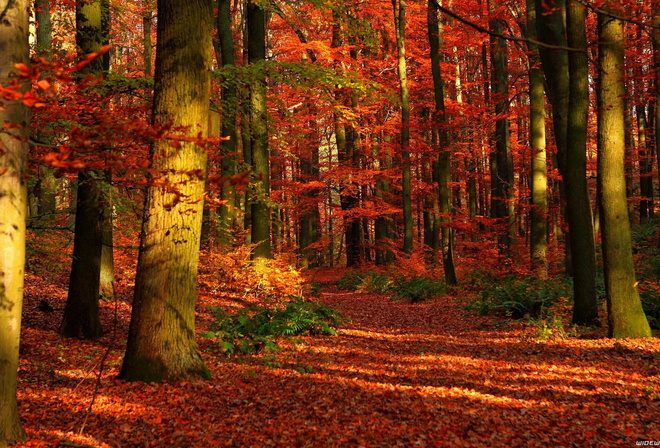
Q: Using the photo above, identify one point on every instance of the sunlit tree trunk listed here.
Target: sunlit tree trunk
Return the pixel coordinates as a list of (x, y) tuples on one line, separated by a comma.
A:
[(161, 342), (626, 318), (578, 206), (81, 313), (400, 28), (256, 48), (539, 180), (442, 169), (13, 212)]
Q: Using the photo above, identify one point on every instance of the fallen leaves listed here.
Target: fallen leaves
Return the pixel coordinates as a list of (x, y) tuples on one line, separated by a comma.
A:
[(397, 375)]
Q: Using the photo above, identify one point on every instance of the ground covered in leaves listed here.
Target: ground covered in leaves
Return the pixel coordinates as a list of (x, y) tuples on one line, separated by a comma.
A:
[(397, 374)]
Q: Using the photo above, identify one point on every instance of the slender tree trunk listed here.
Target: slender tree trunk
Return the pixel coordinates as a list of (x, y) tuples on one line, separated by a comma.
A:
[(400, 27), (626, 318), (539, 181), (656, 66), (81, 314), (146, 42), (551, 30), (585, 301), (256, 47), (161, 342), (504, 168), (443, 164), (228, 217), (14, 49)]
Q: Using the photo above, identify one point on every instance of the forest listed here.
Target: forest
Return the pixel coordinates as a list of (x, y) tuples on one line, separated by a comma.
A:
[(329, 223)]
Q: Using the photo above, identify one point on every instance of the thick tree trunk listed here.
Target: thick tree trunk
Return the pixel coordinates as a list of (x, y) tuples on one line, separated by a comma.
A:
[(539, 179), (161, 342), (626, 318), (400, 28), (578, 206), (256, 46), (14, 49)]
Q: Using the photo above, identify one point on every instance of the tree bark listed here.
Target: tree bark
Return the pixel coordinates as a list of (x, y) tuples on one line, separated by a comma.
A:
[(400, 28), (256, 47), (539, 179), (14, 49), (442, 169), (161, 342), (626, 317), (578, 206), (81, 314)]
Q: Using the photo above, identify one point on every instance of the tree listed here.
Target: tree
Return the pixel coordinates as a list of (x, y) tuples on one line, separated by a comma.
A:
[(539, 181), (442, 173), (626, 318), (400, 30), (14, 49), (256, 49), (81, 313), (161, 342), (578, 206), (503, 193)]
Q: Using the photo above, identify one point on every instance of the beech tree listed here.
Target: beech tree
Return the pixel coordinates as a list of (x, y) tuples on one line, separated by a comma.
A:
[(256, 51), (161, 342), (626, 318), (14, 115)]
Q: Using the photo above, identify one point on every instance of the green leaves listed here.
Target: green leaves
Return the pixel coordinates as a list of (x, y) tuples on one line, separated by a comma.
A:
[(256, 329)]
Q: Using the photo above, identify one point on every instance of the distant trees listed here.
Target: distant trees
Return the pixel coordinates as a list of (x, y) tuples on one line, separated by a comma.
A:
[(14, 115)]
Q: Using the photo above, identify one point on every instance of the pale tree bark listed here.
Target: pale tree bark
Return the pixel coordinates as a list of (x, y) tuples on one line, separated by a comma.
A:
[(578, 205), (400, 28), (256, 49), (161, 342), (626, 317), (442, 169), (539, 177), (14, 49)]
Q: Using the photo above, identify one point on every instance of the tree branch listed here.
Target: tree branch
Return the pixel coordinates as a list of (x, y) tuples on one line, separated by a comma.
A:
[(502, 36)]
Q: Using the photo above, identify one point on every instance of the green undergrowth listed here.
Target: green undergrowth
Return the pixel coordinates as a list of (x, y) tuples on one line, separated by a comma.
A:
[(256, 329), (414, 289)]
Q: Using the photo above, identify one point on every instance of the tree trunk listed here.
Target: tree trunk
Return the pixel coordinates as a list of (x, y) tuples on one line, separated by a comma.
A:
[(161, 342), (578, 206), (443, 164), (400, 27), (539, 181), (256, 47), (551, 30), (81, 313), (656, 66), (14, 49), (228, 216), (503, 192), (626, 318)]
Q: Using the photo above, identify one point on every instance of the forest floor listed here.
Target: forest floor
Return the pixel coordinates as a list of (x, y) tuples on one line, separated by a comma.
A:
[(397, 374)]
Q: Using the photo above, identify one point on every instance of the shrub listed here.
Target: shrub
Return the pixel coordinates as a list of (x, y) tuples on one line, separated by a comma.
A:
[(417, 289), (521, 298), (254, 329), (350, 281)]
